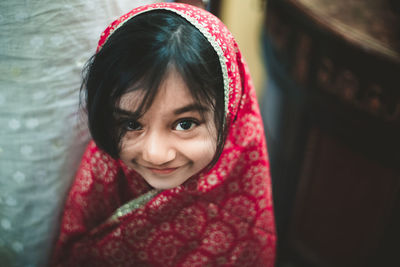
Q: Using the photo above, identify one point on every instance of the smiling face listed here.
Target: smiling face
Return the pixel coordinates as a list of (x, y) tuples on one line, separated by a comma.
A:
[(172, 141)]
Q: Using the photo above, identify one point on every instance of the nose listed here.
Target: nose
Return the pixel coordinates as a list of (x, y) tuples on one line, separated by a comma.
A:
[(157, 149)]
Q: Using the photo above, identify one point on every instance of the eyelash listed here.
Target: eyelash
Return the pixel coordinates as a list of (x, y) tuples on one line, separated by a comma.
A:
[(191, 120), (132, 125)]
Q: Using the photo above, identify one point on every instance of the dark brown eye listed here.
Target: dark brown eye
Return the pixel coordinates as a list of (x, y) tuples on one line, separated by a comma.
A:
[(133, 126), (185, 125)]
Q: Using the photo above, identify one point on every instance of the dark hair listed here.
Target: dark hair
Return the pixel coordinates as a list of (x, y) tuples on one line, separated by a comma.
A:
[(138, 54)]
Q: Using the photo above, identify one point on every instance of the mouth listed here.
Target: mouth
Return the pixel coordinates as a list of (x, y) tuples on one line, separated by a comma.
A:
[(162, 171)]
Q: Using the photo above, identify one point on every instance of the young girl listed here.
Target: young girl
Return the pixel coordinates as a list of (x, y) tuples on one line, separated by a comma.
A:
[(177, 174)]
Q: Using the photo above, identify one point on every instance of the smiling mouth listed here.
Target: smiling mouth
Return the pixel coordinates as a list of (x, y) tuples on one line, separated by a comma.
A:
[(162, 171)]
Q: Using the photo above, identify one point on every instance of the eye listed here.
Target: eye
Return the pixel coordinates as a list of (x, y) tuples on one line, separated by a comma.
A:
[(186, 124), (133, 126)]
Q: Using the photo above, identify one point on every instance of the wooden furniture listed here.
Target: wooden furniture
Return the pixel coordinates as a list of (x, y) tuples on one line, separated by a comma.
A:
[(336, 163)]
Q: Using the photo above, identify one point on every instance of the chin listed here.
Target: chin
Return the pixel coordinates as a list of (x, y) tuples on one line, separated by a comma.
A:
[(160, 186)]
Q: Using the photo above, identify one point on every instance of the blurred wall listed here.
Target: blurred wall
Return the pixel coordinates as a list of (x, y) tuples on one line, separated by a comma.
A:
[(244, 20)]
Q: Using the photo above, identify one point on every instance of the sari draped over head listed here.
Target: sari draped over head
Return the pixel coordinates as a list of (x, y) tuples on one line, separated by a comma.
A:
[(222, 216)]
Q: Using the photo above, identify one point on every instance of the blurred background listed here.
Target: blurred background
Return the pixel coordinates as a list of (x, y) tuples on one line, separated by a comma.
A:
[(327, 78), (331, 109)]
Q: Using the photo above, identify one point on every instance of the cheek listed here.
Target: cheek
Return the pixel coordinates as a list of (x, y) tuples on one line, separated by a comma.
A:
[(200, 151), (128, 149)]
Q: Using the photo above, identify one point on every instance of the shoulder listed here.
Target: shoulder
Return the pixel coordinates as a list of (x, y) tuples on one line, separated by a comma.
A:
[(96, 167)]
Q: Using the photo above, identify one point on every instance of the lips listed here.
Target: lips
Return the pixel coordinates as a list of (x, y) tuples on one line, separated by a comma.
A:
[(162, 171)]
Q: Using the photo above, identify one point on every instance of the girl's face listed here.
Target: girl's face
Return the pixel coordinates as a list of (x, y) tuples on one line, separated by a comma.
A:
[(172, 141)]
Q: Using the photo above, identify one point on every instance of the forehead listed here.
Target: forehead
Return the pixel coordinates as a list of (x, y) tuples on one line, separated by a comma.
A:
[(172, 92)]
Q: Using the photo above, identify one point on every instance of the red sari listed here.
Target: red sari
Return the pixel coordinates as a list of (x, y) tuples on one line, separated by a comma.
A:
[(223, 216)]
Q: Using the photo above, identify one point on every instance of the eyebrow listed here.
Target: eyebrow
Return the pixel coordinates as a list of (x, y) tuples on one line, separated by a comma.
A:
[(184, 109), (190, 107), (123, 112)]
